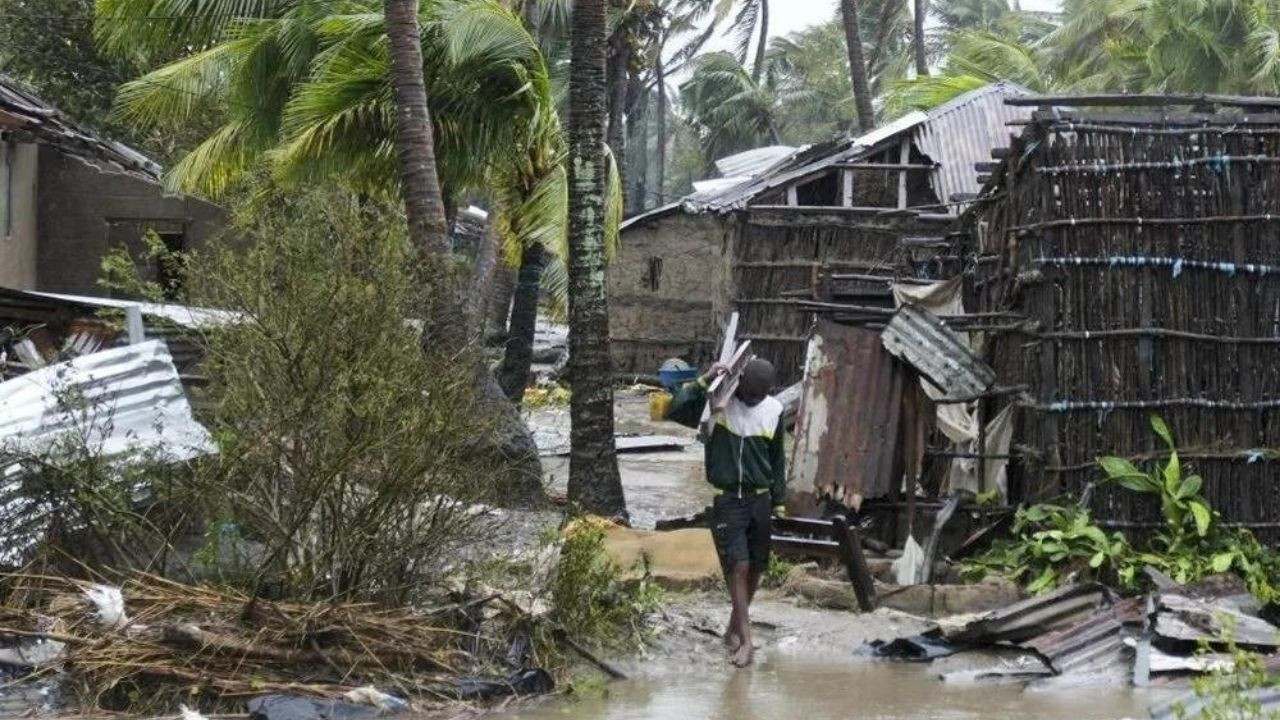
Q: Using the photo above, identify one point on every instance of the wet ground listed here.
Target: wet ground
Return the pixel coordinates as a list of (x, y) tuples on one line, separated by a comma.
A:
[(806, 667), (658, 485)]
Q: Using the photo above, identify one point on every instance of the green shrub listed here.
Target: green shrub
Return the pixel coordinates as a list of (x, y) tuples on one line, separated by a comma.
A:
[(1053, 543), (347, 446), (591, 600)]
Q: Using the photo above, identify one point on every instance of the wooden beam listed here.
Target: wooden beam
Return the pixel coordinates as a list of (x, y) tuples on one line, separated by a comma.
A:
[(792, 198), (885, 166), (1118, 100), (846, 185), (855, 563), (904, 155)]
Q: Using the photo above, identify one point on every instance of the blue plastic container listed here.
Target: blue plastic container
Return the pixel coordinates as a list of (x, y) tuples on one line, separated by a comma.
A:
[(673, 379)]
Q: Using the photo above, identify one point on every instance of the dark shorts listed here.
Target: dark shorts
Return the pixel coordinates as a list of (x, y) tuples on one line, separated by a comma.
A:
[(741, 529)]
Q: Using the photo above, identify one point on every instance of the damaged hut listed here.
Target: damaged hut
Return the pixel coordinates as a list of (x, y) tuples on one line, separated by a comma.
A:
[(872, 208), (1136, 243)]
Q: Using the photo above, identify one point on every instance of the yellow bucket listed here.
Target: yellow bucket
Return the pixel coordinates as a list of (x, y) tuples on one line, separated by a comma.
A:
[(659, 404)]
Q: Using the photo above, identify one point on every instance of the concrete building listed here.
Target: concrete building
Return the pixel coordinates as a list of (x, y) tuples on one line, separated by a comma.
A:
[(878, 206), (67, 195)]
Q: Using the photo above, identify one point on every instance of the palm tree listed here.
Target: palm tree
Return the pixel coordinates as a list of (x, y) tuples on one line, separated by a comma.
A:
[(917, 39), (594, 483), (727, 110), (857, 65), (310, 90), (415, 149)]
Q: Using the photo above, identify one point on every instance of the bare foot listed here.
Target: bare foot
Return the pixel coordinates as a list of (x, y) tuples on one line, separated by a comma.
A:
[(731, 641), (744, 656)]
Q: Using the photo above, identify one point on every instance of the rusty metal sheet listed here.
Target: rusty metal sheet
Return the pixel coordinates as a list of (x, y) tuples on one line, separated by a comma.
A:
[(848, 423), (1035, 616), (920, 339)]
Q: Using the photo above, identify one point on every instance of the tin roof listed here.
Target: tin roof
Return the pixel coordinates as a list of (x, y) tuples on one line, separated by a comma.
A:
[(920, 339), (23, 112), (954, 135)]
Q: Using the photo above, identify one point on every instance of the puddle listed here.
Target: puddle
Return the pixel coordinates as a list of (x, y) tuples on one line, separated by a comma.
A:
[(785, 688)]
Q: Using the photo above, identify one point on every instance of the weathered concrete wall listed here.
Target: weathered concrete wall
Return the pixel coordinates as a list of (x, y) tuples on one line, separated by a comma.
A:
[(83, 210), (663, 288), (19, 165)]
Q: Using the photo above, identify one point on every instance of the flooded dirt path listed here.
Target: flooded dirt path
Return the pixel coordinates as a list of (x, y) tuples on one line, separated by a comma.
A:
[(806, 667), (790, 687)]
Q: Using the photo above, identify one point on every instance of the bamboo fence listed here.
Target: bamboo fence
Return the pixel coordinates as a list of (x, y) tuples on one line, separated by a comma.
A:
[(1143, 250)]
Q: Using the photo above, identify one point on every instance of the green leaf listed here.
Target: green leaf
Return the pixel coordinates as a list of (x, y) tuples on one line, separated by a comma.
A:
[(1202, 516), (1172, 474), (1157, 424), (1222, 561), (1096, 561), (1190, 487), (1043, 582), (1116, 467)]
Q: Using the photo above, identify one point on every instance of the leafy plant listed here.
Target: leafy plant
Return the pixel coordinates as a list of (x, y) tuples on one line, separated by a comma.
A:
[(1230, 690), (1052, 544), (1192, 543), (591, 599)]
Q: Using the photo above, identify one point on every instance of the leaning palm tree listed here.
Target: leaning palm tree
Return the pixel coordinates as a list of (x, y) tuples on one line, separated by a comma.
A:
[(307, 86), (329, 113), (594, 483)]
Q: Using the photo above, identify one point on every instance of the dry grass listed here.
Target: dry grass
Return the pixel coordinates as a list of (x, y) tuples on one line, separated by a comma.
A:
[(198, 642)]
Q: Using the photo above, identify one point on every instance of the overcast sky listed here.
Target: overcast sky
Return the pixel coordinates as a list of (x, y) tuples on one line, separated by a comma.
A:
[(792, 15)]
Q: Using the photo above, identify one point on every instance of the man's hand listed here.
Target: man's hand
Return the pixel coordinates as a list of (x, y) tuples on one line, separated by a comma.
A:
[(780, 511), (713, 372)]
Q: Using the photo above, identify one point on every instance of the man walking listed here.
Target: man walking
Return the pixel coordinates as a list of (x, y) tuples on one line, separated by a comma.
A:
[(745, 464)]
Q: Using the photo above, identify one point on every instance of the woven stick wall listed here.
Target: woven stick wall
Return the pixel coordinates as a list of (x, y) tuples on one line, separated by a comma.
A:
[(775, 260), (1144, 250)]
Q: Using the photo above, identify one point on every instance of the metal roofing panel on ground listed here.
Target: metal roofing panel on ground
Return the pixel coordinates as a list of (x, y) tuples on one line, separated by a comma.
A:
[(848, 422), (1035, 616), (125, 404), (920, 339)]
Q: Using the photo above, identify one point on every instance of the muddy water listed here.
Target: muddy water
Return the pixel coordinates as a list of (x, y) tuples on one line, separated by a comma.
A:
[(789, 688)]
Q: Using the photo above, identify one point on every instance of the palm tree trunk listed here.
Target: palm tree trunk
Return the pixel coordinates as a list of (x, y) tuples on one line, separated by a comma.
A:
[(857, 66), (917, 40), (483, 272), (762, 44), (518, 358), (638, 142), (660, 181), (617, 92), (498, 307), (415, 146), (522, 290), (424, 211), (884, 23), (594, 483)]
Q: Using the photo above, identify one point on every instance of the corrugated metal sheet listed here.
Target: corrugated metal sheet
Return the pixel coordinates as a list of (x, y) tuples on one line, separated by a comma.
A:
[(963, 131), (22, 111), (1035, 616), (955, 135), (939, 354), (847, 426), (121, 404), (751, 163), (194, 318)]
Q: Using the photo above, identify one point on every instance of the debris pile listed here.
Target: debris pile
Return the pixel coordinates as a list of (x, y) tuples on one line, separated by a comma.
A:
[(153, 642), (1086, 633)]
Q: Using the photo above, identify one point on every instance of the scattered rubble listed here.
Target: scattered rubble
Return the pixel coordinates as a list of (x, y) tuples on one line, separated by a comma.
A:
[(1086, 634)]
